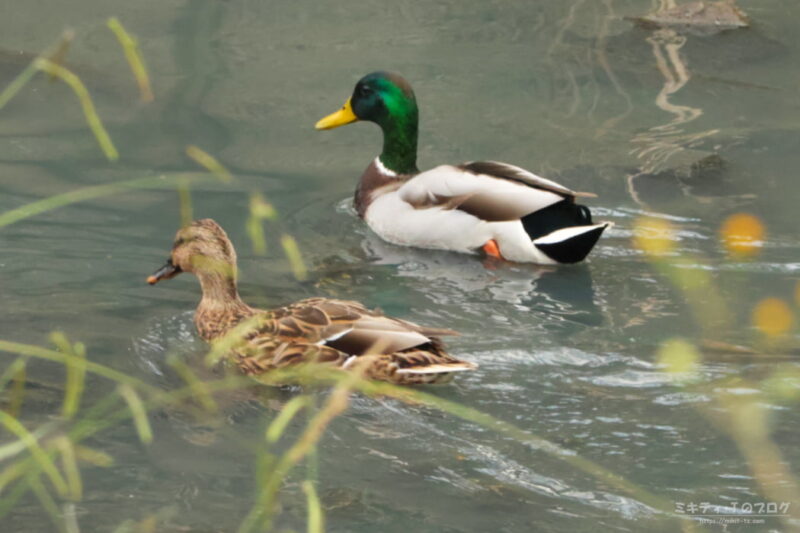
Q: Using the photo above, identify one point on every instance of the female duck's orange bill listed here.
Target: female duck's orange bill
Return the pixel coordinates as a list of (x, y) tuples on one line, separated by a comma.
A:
[(167, 271)]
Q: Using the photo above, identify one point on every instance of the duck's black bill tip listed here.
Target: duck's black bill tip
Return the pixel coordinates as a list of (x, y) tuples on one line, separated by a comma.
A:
[(165, 272)]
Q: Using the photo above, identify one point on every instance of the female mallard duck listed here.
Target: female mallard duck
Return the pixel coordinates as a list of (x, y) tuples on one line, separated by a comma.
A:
[(507, 211), (337, 332)]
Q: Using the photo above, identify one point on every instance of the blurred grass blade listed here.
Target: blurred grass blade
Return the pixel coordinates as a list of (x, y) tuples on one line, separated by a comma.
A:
[(93, 457), (185, 202), (70, 518), (48, 504), (18, 446), (199, 387), (76, 372), (11, 371), (89, 111), (207, 161), (17, 392), (261, 515), (30, 71), (12, 472), (15, 372), (131, 48), (87, 193), (69, 463), (292, 252), (287, 413), (59, 55), (60, 357), (138, 412), (39, 455), (316, 517), (260, 210), (18, 83), (256, 233), (233, 338)]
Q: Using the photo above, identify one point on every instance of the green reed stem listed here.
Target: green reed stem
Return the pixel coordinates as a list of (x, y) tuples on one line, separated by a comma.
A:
[(130, 47), (17, 84), (263, 511), (48, 504), (12, 471), (185, 202), (210, 163), (197, 386), (337, 403), (88, 193), (138, 411), (66, 358), (38, 454), (18, 446), (316, 516), (11, 371), (16, 373), (89, 111), (75, 370), (55, 53), (69, 464), (70, 518), (30, 468), (292, 252), (286, 414), (93, 457)]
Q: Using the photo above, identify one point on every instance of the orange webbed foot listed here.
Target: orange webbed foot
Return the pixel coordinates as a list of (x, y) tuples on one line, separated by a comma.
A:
[(492, 250)]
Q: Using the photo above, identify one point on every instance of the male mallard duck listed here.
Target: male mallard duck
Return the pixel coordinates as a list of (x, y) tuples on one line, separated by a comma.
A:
[(337, 332), (505, 210)]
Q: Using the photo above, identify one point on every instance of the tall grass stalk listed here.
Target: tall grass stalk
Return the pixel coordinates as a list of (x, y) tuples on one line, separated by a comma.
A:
[(131, 49), (89, 111), (55, 53), (742, 417), (92, 193)]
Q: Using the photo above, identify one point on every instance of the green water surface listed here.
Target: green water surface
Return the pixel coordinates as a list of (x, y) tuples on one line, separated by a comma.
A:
[(566, 88)]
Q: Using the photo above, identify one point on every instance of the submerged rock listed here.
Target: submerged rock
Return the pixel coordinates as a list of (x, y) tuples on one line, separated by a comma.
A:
[(699, 18)]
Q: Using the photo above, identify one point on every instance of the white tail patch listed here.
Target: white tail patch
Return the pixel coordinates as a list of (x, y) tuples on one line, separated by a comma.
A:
[(334, 337), (439, 369), (565, 234)]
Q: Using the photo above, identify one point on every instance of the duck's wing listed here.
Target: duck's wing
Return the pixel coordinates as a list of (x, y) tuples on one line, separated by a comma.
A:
[(336, 331), (498, 170), (352, 328), (489, 190)]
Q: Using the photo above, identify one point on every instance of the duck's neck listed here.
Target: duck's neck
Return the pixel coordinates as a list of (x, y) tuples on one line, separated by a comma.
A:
[(399, 153), (220, 309)]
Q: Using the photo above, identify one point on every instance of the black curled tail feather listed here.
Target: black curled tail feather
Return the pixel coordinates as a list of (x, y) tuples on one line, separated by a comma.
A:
[(563, 214), (575, 248)]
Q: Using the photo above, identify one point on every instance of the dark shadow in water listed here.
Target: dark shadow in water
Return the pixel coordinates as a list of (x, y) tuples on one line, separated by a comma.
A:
[(565, 290)]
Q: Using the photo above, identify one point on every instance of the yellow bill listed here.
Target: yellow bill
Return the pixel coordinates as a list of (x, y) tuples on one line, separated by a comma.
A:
[(344, 116)]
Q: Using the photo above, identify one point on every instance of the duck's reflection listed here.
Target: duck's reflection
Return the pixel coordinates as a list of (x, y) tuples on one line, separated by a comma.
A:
[(564, 290)]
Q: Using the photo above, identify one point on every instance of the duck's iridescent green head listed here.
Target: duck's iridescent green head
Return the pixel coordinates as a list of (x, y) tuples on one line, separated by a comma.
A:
[(386, 99)]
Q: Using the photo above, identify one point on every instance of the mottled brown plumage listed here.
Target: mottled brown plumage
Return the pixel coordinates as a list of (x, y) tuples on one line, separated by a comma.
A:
[(335, 332)]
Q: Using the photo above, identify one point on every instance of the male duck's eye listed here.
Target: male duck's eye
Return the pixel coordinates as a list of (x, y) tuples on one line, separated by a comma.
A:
[(364, 91)]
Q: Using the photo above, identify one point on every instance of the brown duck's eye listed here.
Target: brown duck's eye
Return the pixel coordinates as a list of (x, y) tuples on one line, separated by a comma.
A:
[(180, 241)]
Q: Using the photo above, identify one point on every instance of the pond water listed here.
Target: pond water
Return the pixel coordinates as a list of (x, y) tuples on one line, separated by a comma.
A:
[(691, 129)]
